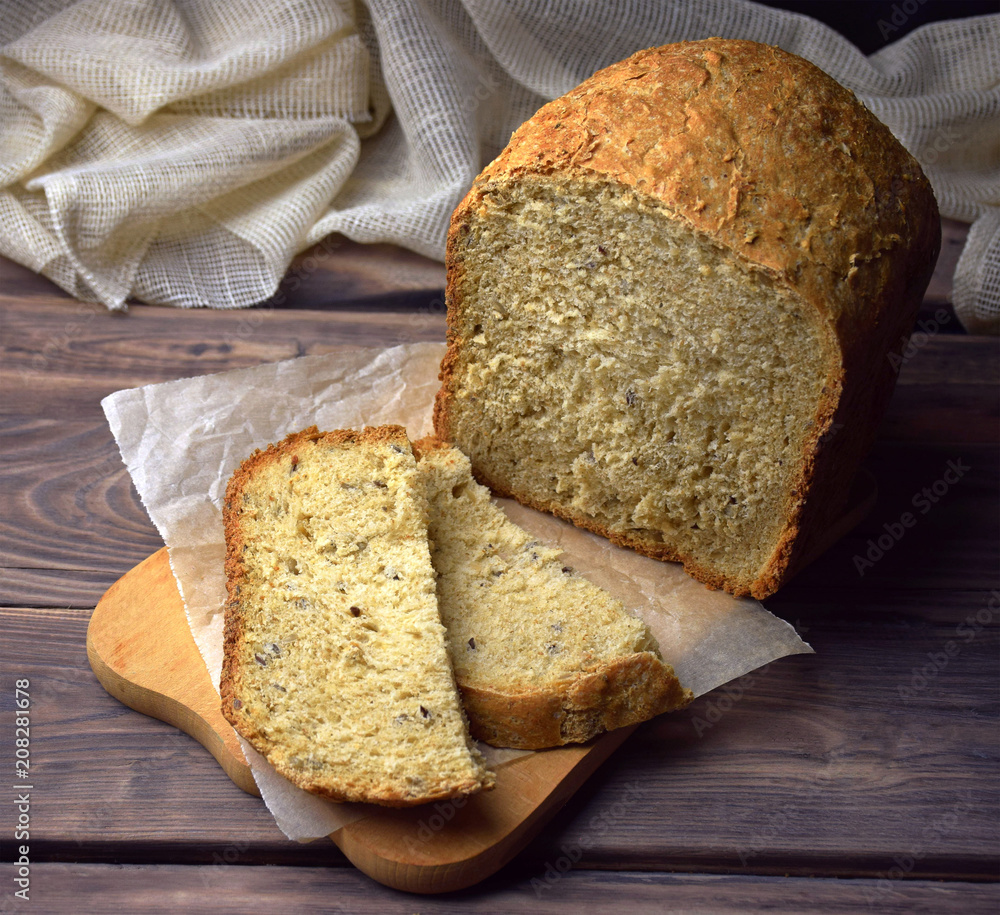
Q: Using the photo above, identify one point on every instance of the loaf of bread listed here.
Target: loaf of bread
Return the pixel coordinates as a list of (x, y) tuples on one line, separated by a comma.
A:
[(542, 656), (335, 662), (671, 302)]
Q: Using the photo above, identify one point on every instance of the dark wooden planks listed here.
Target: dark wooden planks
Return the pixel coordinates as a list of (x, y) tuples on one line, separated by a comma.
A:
[(67, 503), (943, 413), (958, 359), (806, 606), (66, 588), (65, 500), (954, 539), (119, 785), (61, 363), (819, 764), (86, 888), (948, 389), (338, 272), (815, 765)]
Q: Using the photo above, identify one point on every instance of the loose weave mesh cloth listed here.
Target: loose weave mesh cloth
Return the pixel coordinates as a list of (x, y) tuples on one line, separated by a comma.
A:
[(182, 152)]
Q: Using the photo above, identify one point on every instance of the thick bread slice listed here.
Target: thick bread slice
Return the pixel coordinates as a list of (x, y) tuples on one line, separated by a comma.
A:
[(542, 656), (672, 300), (335, 661)]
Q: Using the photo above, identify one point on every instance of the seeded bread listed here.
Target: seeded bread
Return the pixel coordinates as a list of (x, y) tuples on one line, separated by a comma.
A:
[(542, 656), (671, 301), (335, 662)]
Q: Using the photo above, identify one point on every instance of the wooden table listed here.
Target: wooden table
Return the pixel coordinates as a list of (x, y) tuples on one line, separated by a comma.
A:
[(861, 778)]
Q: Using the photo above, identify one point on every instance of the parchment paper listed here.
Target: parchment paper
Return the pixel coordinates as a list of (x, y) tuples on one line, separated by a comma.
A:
[(182, 440)]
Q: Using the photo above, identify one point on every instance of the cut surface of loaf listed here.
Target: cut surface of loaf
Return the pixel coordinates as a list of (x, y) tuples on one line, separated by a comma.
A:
[(670, 305), (542, 656), (335, 664)]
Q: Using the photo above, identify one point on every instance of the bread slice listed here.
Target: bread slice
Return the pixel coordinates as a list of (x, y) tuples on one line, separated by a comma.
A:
[(671, 302), (542, 656), (335, 662)]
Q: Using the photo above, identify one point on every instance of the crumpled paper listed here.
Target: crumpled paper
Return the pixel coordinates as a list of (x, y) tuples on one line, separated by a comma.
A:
[(182, 440)]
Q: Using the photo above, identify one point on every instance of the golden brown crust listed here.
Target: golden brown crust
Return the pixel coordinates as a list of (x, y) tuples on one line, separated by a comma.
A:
[(758, 151), (626, 691), (230, 686), (427, 444)]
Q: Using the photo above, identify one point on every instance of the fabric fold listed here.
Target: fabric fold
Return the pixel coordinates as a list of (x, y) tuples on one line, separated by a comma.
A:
[(183, 153)]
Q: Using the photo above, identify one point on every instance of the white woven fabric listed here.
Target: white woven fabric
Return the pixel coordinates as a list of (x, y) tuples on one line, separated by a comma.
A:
[(182, 152)]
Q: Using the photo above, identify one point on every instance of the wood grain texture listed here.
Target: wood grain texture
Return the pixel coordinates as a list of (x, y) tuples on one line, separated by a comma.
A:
[(71, 357), (947, 359), (217, 890), (813, 765), (141, 650), (65, 588), (800, 769), (122, 786), (67, 503), (66, 500)]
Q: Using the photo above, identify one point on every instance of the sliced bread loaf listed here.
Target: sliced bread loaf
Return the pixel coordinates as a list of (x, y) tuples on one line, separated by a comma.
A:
[(671, 299), (542, 656), (335, 662)]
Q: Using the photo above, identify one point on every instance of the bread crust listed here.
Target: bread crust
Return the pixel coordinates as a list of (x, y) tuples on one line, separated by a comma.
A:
[(339, 787), (626, 691), (760, 152)]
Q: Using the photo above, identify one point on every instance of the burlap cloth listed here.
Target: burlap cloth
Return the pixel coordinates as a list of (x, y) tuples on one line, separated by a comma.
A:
[(181, 153)]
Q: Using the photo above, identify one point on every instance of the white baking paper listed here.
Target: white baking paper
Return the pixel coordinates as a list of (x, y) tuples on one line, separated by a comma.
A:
[(182, 440)]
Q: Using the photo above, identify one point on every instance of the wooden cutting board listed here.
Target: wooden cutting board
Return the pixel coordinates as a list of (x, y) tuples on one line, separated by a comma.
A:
[(144, 655)]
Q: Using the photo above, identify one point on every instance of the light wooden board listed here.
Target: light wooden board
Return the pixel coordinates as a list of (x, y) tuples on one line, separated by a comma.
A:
[(142, 651)]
